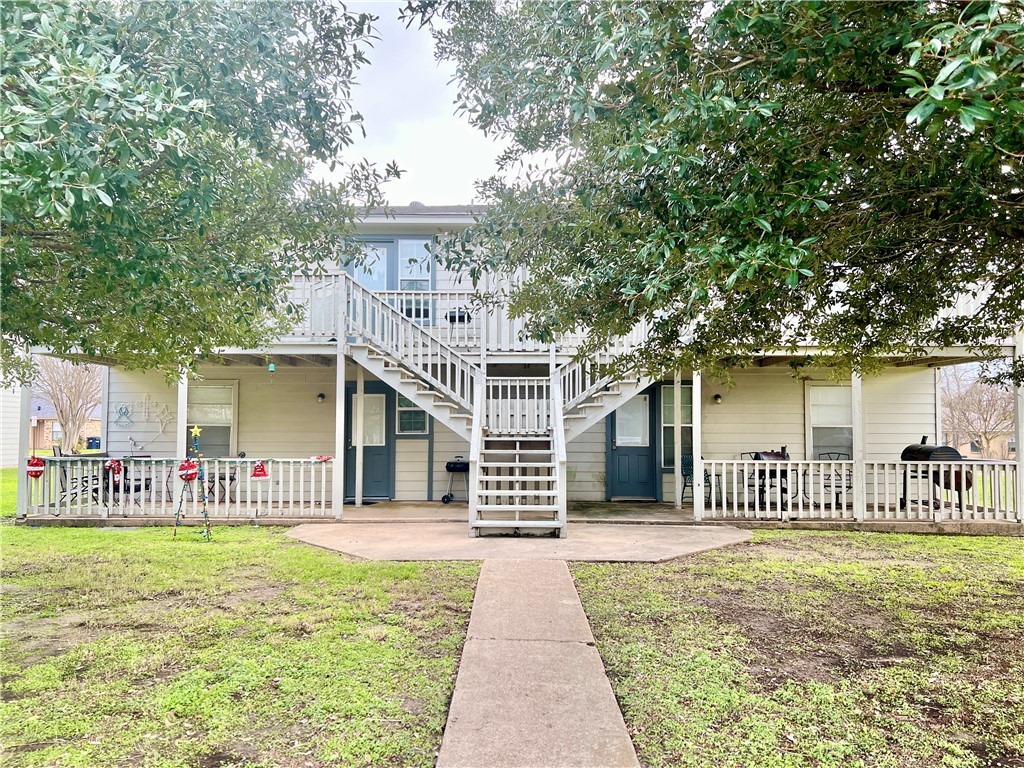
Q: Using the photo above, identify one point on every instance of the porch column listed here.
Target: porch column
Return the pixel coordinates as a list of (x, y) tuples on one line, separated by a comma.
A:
[(677, 438), (696, 419), (1019, 433), (357, 432), (24, 433), (859, 473), (180, 437), (338, 475)]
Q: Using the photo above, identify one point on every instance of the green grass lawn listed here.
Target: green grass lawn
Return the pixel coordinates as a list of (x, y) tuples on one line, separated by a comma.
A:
[(128, 648), (819, 649)]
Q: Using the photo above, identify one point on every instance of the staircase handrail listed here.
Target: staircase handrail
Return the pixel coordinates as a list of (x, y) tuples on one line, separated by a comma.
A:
[(476, 442), (420, 351), (581, 379), (558, 446)]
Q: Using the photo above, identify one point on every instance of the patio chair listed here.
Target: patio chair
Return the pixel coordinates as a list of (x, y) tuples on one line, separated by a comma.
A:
[(838, 481), (686, 469)]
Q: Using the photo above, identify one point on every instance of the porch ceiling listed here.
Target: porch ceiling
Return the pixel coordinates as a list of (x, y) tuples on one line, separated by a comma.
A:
[(282, 361)]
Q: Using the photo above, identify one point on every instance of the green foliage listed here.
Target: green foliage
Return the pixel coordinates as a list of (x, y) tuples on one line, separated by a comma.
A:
[(809, 649), (154, 176), (128, 648), (751, 174)]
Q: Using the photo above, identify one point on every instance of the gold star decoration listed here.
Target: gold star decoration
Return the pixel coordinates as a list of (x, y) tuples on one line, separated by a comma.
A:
[(196, 431)]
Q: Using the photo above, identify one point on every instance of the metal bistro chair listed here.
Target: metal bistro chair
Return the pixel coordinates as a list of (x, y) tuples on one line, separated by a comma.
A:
[(838, 481), (686, 469)]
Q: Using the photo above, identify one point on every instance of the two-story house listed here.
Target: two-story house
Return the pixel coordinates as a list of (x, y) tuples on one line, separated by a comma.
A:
[(395, 371)]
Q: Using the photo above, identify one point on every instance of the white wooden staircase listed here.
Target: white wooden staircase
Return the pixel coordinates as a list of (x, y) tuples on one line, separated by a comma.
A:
[(517, 427)]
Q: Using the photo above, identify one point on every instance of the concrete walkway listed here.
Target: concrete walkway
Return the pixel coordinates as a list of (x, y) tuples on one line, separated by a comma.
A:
[(531, 689), (451, 541)]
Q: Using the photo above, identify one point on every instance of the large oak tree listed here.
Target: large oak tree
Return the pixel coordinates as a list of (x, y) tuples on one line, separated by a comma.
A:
[(749, 175), (154, 171)]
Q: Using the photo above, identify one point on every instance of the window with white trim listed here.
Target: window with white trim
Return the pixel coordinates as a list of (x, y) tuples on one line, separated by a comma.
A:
[(211, 407), (411, 420), (831, 415), (668, 436)]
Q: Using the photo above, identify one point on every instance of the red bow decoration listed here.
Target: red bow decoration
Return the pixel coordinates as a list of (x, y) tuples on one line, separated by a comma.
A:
[(35, 467), (188, 470), (113, 467)]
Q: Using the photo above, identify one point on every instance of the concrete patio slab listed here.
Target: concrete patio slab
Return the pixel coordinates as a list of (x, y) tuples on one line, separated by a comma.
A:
[(450, 541), (532, 692)]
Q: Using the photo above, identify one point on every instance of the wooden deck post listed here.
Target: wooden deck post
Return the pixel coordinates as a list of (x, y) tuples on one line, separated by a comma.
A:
[(859, 473), (677, 437), (338, 475), (180, 438), (1019, 433), (24, 434), (696, 420), (357, 432)]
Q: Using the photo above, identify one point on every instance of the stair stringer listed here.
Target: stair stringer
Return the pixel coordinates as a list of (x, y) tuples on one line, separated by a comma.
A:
[(413, 387), (599, 405)]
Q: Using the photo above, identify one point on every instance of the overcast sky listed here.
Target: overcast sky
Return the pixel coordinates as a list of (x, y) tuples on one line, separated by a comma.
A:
[(408, 108)]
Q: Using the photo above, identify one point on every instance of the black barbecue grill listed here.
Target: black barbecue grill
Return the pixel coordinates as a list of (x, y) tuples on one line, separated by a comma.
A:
[(955, 480)]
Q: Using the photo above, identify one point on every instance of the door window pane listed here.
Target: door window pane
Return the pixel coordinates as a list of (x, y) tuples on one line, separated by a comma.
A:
[(373, 420), (632, 424), (668, 432), (211, 407)]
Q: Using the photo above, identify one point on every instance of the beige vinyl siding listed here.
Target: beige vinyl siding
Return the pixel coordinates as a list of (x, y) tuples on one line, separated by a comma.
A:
[(10, 420), (447, 445), (411, 459), (899, 407), (278, 415), (152, 414), (763, 411), (585, 464)]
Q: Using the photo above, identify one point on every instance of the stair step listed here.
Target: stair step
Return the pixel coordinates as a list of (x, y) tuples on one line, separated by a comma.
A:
[(517, 451), (521, 464), (516, 508), (514, 494)]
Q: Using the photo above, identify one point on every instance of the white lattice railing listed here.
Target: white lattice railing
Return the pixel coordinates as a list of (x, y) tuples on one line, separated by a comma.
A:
[(374, 321), (518, 406), (928, 491), (85, 487)]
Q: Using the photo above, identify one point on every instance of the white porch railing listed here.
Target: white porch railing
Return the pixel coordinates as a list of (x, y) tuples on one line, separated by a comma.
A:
[(84, 487), (518, 406), (804, 490)]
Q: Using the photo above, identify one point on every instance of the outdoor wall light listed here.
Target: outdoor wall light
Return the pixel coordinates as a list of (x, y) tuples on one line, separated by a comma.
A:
[(717, 398), (321, 397)]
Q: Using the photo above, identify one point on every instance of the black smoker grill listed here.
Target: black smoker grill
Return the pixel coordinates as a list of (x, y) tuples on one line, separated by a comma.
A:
[(950, 480)]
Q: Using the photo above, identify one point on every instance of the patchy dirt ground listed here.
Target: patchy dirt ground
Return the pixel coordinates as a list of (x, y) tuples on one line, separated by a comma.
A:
[(819, 649), (127, 648)]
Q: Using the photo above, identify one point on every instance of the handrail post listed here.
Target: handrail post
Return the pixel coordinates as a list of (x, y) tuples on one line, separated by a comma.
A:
[(475, 446), (859, 468)]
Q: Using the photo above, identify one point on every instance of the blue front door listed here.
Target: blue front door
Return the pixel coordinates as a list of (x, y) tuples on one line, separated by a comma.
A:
[(631, 456), (378, 443)]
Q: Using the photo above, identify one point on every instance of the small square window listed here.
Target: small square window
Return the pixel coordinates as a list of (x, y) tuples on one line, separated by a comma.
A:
[(411, 420)]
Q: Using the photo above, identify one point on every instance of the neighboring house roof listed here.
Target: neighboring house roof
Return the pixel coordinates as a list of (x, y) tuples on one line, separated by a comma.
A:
[(43, 409), (419, 209)]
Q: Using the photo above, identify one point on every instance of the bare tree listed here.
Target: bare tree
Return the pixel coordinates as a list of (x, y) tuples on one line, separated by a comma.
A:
[(973, 409), (74, 390)]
